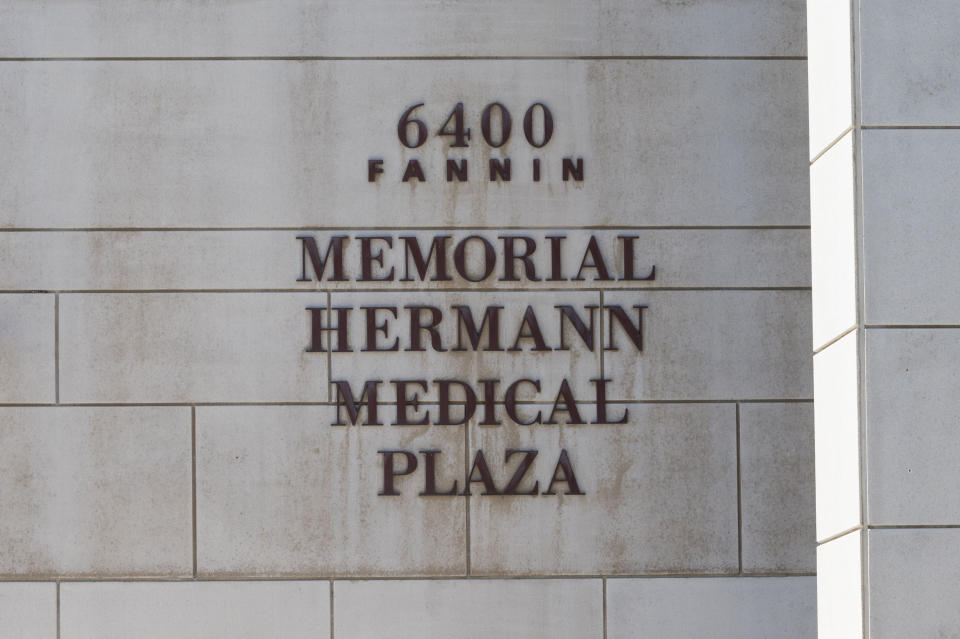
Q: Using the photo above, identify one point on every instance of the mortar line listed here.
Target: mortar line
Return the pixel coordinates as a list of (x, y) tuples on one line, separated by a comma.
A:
[(835, 340), (329, 339), (832, 144), (362, 228), (466, 489), (604, 581), (58, 609), (193, 464), (412, 58), (399, 290), (427, 403), (603, 369), (56, 348), (331, 608), (739, 499)]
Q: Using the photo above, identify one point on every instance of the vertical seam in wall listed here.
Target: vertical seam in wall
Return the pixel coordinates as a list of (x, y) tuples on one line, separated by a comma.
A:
[(739, 499), (58, 609), (857, 160), (466, 499), (193, 485), (331, 609), (603, 370), (604, 581), (56, 347)]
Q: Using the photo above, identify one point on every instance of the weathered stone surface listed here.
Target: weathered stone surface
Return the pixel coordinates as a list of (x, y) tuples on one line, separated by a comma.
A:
[(660, 496), (192, 610), (726, 608), (777, 489), (713, 345), (286, 144), (383, 28), (95, 492), (183, 347), (28, 610), (282, 492), (193, 260), (912, 439), (474, 609), (27, 344)]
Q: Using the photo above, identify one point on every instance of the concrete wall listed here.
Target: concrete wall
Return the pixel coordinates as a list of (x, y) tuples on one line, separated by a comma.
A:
[(168, 465)]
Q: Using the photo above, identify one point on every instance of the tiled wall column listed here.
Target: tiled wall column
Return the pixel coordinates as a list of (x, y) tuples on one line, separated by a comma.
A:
[(885, 156)]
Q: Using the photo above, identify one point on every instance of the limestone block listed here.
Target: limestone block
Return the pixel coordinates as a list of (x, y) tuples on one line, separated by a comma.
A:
[(474, 609), (28, 610), (912, 437), (27, 345), (264, 143), (725, 608), (195, 610), (660, 496), (189, 347), (282, 492), (837, 437), (712, 345), (777, 490), (95, 492), (383, 28)]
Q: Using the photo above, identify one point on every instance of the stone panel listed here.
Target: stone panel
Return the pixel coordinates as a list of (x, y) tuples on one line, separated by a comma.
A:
[(777, 490), (837, 437), (383, 28), (95, 492), (264, 143), (839, 593), (909, 75), (910, 232), (28, 610), (27, 349), (660, 496), (726, 608), (914, 583), (912, 437), (282, 492), (709, 345), (474, 609), (830, 71), (182, 347), (192, 610), (192, 260), (832, 238)]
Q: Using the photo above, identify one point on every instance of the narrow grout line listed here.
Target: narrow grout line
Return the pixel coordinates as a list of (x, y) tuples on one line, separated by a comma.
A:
[(193, 464), (739, 500), (834, 340), (56, 348), (361, 228), (58, 609), (603, 370), (329, 339), (832, 144), (466, 489), (409, 58), (604, 581), (331, 609)]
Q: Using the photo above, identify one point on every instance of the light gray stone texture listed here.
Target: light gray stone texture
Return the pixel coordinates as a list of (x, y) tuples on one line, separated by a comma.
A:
[(661, 496), (263, 142), (777, 490), (193, 610), (192, 260), (839, 592), (910, 227), (914, 583), (713, 345), (183, 347), (384, 28), (577, 364), (837, 437), (834, 296), (830, 71), (474, 609), (28, 610), (913, 439), (724, 608), (27, 344), (909, 74), (282, 492), (95, 491)]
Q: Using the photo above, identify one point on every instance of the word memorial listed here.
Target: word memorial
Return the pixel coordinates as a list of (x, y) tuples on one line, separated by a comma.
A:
[(532, 397)]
